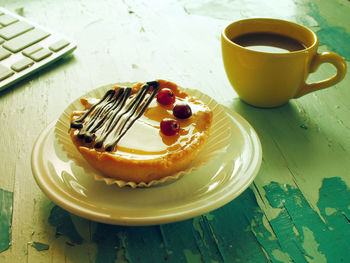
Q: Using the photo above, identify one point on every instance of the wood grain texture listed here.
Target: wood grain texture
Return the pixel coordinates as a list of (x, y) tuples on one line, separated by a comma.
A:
[(297, 209)]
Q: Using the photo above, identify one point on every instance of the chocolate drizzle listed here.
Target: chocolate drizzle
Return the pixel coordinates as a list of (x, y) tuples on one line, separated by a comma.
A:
[(107, 121)]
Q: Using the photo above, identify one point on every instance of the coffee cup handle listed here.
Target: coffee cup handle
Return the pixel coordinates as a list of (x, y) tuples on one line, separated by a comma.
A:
[(326, 57)]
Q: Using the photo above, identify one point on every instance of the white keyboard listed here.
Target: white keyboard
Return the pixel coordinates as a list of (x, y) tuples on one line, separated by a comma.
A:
[(26, 47)]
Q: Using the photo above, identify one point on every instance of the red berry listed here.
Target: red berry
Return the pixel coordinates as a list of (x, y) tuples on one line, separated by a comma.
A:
[(182, 111), (166, 97), (169, 127)]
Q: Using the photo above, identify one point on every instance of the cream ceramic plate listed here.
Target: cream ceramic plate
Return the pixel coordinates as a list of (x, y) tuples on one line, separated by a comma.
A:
[(225, 168)]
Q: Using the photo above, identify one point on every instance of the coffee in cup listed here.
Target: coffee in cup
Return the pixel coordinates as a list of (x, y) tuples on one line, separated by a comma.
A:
[(267, 61)]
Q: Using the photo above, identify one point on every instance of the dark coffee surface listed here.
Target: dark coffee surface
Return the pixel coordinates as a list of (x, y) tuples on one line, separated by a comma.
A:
[(268, 42)]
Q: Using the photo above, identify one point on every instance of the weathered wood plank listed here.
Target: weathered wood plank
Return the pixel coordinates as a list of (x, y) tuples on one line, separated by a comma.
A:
[(296, 210)]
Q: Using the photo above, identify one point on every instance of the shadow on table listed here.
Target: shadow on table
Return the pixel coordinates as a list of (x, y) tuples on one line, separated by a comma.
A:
[(285, 120), (285, 132)]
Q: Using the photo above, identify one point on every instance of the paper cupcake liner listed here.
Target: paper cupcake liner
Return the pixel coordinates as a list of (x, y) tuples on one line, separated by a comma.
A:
[(218, 139)]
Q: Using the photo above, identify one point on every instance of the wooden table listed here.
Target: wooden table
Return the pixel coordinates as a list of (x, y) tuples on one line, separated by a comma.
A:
[(297, 209)]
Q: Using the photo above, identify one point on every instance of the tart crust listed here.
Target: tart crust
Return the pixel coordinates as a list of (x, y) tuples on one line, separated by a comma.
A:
[(136, 166)]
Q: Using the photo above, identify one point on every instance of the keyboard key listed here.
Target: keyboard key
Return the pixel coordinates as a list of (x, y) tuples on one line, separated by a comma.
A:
[(57, 46), (41, 54), (22, 64), (5, 72), (26, 48), (4, 53), (29, 38), (6, 20), (15, 29), (30, 50)]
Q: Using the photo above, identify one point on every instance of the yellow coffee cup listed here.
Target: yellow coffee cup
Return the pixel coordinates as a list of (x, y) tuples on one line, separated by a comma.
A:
[(268, 79)]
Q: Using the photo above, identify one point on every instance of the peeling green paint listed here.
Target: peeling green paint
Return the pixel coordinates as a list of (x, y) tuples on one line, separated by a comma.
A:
[(140, 244), (334, 37), (206, 240), (196, 226), (209, 216), (296, 213), (40, 246), (243, 237), (6, 203), (237, 232), (108, 242), (62, 220), (311, 247), (179, 236)]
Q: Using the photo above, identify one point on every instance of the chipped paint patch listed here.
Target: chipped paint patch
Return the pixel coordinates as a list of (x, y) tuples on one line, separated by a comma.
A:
[(40, 246), (245, 238), (329, 211), (6, 206), (197, 227), (311, 247), (144, 243), (206, 240), (334, 37), (107, 240), (303, 233), (280, 256), (191, 257), (209, 216), (62, 220), (180, 235)]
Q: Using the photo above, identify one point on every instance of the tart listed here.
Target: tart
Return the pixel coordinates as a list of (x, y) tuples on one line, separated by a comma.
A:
[(141, 133)]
